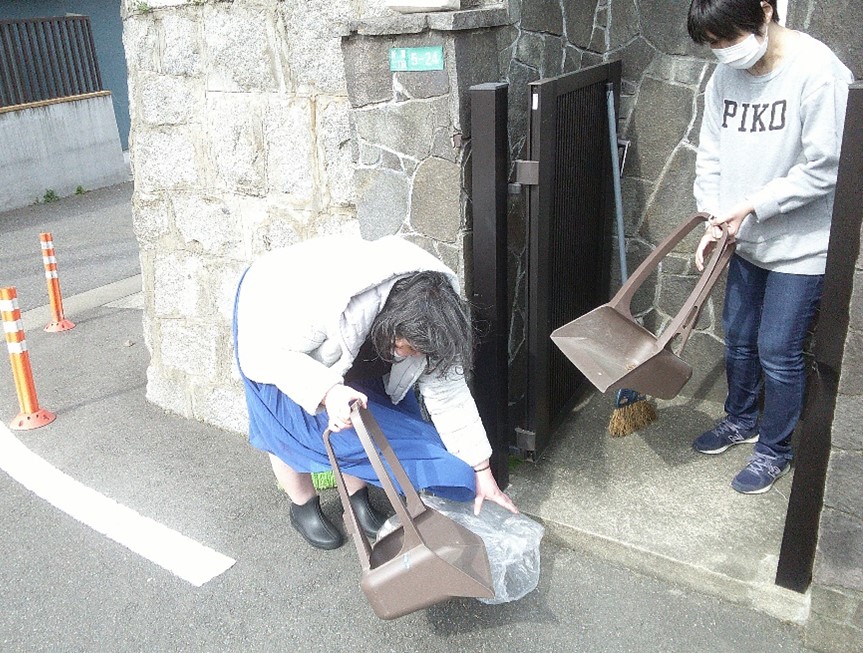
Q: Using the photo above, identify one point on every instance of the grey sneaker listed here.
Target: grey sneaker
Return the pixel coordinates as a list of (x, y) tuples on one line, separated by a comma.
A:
[(760, 474), (724, 435)]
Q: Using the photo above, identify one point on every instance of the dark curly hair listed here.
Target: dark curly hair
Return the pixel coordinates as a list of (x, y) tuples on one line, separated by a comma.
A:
[(425, 310), (712, 20)]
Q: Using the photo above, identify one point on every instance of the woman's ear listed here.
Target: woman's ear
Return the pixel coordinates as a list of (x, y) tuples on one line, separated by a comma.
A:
[(768, 11)]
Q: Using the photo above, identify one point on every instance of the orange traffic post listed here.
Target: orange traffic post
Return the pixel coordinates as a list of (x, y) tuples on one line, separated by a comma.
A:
[(49, 260), (31, 416)]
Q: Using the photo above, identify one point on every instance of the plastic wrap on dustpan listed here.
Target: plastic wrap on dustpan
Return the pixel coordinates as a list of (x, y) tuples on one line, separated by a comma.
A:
[(511, 541)]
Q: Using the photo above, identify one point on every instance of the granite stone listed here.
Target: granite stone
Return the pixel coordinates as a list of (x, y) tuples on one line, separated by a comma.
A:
[(367, 72), (288, 148), (207, 224), (847, 418), (839, 561), (542, 16), (169, 100), (659, 122), (182, 51), (166, 159), (842, 490), (240, 48), (382, 202), (623, 24), (235, 141), (579, 20), (436, 200)]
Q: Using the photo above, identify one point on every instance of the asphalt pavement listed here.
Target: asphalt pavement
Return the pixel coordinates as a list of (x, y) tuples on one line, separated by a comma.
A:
[(66, 586)]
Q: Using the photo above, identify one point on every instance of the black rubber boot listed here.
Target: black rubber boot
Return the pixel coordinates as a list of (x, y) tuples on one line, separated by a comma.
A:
[(316, 529), (369, 518)]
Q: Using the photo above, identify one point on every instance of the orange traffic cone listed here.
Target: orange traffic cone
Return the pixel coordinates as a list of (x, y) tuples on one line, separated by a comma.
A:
[(49, 260), (31, 416)]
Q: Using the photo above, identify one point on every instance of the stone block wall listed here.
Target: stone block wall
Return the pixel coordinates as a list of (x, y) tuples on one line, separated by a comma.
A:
[(260, 123), (411, 166), (836, 620), (241, 142)]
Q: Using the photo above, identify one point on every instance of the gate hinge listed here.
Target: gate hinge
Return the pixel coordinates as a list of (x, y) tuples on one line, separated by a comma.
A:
[(526, 443), (527, 172)]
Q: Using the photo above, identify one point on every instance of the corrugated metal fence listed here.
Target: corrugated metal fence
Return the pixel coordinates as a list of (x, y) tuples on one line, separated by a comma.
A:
[(46, 58)]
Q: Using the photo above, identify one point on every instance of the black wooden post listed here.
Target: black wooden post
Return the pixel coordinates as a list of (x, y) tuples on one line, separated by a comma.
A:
[(797, 555), (489, 165)]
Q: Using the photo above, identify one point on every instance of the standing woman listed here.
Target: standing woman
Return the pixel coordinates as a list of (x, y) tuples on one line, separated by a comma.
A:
[(337, 320), (766, 168)]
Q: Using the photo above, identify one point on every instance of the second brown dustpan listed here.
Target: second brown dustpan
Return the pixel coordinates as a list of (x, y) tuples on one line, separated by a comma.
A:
[(613, 351), (428, 558)]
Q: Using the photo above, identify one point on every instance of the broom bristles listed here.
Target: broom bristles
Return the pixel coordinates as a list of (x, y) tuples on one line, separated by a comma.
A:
[(324, 480), (320, 480), (631, 417)]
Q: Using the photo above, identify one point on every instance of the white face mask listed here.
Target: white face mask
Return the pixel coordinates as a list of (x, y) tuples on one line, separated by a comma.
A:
[(743, 55)]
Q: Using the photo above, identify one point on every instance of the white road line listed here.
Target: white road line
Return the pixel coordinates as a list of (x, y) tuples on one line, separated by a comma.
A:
[(177, 553)]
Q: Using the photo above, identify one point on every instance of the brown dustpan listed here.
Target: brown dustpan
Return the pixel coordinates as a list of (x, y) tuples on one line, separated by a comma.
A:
[(428, 558), (613, 351)]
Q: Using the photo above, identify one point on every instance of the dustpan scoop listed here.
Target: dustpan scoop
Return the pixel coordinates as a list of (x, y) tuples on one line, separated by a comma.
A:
[(428, 558), (614, 351)]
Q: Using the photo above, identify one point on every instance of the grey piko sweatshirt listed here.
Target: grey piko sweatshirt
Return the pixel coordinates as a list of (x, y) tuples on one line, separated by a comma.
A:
[(775, 140)]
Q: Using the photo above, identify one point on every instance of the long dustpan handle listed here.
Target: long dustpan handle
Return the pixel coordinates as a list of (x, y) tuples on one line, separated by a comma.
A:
[(370, 435), (687, 316), (693, 307), (623, 299), (364, 549), (368, 430)]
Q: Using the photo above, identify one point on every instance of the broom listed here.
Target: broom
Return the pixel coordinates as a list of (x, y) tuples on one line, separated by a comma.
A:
[(320, 480), (631, 411), (324, 480)]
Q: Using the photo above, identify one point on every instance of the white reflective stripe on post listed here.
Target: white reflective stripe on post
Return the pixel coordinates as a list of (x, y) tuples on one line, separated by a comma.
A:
[(47, 244), (17, 347), (13, 326), (9, 305), (50, 274), (49, 259)]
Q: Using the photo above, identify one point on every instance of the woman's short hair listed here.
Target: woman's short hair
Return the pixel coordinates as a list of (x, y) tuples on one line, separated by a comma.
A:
[(711, 20), (425, 310)]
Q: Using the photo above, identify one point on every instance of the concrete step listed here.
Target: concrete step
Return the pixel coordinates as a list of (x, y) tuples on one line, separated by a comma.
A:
[(650, 503)]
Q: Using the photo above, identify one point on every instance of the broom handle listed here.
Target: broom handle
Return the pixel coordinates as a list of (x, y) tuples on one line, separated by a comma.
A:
[(615, 175)]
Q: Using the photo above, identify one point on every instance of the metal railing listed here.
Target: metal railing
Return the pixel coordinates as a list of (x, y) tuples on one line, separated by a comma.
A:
[(47, 58)]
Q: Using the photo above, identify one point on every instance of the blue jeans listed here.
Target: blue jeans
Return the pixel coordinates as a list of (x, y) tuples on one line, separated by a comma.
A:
[(766, 318)]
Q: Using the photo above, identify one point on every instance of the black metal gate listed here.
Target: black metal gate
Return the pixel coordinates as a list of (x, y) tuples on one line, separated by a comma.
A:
[(47, 58), (570, 216)]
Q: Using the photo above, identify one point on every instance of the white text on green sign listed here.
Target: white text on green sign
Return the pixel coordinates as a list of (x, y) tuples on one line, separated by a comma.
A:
[(411, 59)]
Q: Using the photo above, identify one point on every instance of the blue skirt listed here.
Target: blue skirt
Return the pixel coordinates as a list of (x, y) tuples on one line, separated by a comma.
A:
[(279, 426)]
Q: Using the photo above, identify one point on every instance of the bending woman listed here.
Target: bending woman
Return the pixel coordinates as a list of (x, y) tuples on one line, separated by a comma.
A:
[(334, 320)]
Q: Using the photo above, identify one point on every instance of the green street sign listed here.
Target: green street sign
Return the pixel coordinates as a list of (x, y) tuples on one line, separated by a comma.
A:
[(410, 59)]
